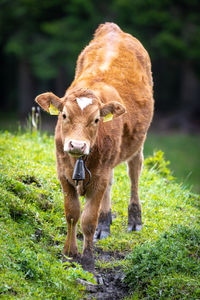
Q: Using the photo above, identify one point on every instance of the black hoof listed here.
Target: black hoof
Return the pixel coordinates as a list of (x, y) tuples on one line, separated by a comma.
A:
[(134, 218), (135, 227), (103, 228), (100, 234)]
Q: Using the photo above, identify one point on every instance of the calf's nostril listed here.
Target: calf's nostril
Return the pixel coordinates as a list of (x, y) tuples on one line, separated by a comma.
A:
[(83, 147), (71, 145)]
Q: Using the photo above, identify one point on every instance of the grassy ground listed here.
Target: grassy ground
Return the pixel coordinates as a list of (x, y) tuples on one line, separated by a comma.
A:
[(163, 261)]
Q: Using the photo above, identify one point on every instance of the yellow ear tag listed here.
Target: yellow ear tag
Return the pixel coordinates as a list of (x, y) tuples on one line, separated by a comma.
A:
[(53, 110), (108, 118)]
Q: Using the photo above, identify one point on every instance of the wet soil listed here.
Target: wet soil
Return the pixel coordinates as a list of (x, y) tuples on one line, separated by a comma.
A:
[(110, 283)]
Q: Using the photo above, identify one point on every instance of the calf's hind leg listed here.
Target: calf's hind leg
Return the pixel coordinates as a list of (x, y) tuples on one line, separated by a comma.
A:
[(105, 216), (134, 208)]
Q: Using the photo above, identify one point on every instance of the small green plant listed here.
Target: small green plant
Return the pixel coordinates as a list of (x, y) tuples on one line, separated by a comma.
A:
[(158, 163), (75, 271)]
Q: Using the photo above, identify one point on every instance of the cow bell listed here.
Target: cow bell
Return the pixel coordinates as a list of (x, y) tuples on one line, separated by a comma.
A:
[(79, 170)]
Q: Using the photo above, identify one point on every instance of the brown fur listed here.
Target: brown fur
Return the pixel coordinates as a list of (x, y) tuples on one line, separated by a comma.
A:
[(114, 70)]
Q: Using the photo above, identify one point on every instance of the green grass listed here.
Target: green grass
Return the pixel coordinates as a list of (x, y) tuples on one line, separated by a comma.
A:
[(168, 268), (163, 258), (182, 150)]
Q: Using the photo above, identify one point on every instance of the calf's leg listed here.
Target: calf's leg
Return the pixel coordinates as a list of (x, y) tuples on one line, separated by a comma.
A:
[(105, 216), (134, 208), (89, 220), (72, 213)]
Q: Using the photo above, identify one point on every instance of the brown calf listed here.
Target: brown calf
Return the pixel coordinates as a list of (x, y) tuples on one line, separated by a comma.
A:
[(113, 79)]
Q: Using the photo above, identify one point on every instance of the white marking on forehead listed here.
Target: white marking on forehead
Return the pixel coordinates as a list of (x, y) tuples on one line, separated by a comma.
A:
[(83, 102)]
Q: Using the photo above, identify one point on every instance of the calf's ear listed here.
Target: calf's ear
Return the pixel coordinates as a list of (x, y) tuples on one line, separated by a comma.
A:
[(113, 108), (50, 102)]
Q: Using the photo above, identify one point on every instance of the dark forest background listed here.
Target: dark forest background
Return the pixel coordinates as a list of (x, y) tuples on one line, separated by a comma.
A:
[(40, 42)]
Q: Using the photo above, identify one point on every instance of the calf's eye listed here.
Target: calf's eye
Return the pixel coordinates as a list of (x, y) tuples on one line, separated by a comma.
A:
[(96, 121), (64, 116)]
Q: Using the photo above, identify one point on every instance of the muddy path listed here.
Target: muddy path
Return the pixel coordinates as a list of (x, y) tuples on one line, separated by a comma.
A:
[(110, 281)]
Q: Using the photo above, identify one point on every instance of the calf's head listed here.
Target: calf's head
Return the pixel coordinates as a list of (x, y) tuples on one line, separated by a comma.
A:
[(79, 113)]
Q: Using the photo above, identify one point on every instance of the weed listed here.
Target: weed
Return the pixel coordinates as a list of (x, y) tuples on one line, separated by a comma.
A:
[(158, 163)]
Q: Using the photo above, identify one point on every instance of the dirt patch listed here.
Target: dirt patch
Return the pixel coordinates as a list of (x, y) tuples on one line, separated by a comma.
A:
[(110, 286), (110, 281), (107, 255)]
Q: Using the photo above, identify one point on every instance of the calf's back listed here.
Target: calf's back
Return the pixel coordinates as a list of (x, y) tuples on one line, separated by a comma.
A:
[(116, 66)]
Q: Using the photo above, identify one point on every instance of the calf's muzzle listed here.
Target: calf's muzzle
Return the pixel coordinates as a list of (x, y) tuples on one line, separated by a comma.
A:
[(76, 148)]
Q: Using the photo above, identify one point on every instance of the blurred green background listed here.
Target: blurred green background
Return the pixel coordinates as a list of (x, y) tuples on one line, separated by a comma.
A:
[(40, 42)]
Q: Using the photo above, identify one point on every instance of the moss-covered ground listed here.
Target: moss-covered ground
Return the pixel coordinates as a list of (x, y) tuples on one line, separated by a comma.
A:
[(163, 259)]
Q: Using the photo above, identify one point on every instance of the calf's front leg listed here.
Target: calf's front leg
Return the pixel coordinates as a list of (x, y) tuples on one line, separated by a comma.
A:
[(72, 213), (105, 215), (89, 219)]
